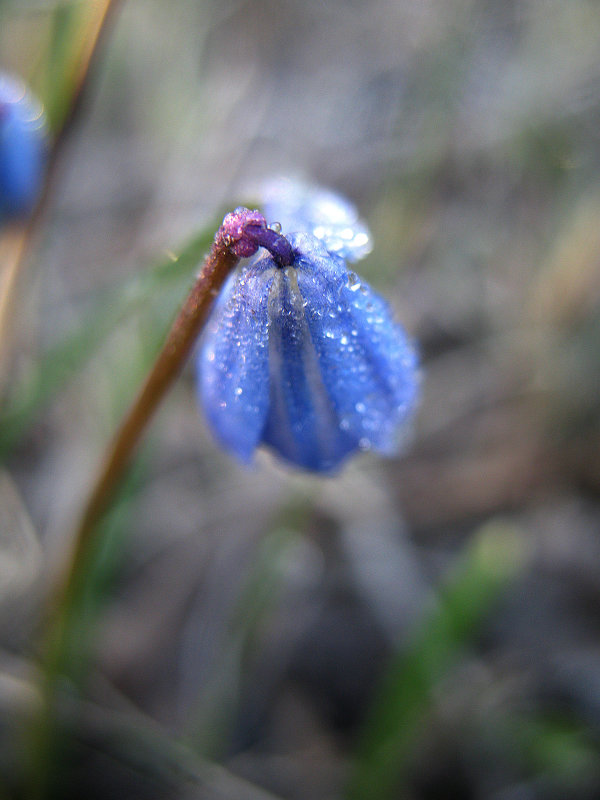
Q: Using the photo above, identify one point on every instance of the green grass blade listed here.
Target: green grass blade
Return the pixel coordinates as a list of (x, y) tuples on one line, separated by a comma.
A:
[(392, 728), (59, 78)]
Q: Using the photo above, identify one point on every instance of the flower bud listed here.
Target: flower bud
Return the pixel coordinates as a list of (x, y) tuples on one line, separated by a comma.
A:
[(307, 360)]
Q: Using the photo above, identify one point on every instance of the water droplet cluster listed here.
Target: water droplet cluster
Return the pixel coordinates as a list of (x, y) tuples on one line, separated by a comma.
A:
[(306, 360), (299, 207)]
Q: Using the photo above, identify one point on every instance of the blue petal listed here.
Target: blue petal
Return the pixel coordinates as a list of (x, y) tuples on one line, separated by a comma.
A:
[(22, 149), (324, 214), (368, 365), (393, 358), (234, 361), (301, 425)]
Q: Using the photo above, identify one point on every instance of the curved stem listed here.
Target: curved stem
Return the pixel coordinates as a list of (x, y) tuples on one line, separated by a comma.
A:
[(279, 247), (231, 242)]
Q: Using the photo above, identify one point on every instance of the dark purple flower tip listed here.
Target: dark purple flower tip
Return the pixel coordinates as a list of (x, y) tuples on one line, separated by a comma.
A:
[(279, 247), (244, 231)]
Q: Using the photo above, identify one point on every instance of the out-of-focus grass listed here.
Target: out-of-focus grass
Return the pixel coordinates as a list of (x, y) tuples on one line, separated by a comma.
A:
[(494, 559), (218, 703), (68, 644)]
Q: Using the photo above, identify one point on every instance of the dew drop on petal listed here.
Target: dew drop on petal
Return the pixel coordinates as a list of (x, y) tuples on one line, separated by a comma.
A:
[(353, 281), (361, 240)]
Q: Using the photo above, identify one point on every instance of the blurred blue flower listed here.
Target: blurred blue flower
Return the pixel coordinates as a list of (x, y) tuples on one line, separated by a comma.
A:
[(297, 206), (22, 149), (306, 359)]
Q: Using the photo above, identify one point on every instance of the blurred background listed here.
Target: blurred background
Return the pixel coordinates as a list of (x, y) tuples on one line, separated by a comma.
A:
[(423, 627)]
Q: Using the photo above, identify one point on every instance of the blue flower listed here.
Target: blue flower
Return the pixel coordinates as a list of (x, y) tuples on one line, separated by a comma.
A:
[(307, 360), (22, 149)]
